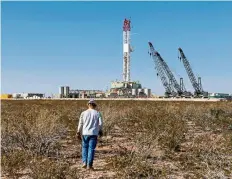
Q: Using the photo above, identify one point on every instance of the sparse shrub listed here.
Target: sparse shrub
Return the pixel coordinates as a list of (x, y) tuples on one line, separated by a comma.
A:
[(173, 133), (110, 118), (208, 156), (39, 132), (36, 136), (211, 118), (131, 165), (15, 161), (45, 168)]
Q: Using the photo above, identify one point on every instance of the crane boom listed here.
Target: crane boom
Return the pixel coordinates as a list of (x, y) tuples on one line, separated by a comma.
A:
[(158, 65), (170, 76), (197, 86)]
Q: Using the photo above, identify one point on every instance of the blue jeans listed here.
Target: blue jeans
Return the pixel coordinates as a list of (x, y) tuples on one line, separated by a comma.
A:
[(89, 143)]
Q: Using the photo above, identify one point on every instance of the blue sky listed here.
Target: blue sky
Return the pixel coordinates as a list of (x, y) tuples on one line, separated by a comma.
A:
[(49, 44)]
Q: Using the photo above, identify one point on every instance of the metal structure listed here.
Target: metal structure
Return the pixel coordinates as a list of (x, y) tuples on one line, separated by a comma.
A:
[(28, 95), (61, 91), (182, 84), (147, 92), (161, 72), (196, 85), (180, 88), (134, 92), (126, 88), (140, 90), (66, 91), (126, 50)]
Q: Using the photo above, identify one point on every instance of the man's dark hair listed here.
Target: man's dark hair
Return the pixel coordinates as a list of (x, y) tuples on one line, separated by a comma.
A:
[(93, 105)]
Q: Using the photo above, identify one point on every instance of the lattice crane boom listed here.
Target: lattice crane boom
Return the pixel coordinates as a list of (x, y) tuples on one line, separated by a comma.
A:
[(197, 86), (171, 76), (161, 73)]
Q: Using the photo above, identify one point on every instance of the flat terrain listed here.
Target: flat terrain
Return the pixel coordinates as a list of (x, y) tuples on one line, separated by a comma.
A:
[(142, 139), (127, 99)]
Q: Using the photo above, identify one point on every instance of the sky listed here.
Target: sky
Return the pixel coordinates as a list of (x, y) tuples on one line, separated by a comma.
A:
[(50, 44)]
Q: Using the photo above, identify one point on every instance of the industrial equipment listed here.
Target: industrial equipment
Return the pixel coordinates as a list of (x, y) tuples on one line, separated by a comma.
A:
[(66, 91), (126, 50), (161, 73), (199, 92), (6, 96), (180, 88)]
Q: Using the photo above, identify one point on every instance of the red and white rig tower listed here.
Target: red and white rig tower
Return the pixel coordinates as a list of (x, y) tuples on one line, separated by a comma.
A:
[(126, 50)]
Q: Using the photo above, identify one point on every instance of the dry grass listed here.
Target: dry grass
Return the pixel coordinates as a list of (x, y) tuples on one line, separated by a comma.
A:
[(160, 139)]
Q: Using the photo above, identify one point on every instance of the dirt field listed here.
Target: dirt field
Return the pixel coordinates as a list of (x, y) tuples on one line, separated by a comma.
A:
[(142, 139)]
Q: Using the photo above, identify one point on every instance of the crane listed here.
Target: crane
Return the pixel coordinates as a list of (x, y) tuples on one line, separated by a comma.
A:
[(196, 85), (155, 55), (180, 88)]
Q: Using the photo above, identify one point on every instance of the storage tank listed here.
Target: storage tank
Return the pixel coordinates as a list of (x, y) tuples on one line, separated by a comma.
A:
[(61, 91), (134, 92), (66, 91), (147, 92), (140, 90)]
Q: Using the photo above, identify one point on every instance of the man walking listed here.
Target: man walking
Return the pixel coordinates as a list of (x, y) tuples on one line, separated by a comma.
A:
[(90, 126)]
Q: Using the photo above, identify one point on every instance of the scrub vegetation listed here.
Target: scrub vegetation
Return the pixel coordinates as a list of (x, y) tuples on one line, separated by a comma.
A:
[(142, 139)]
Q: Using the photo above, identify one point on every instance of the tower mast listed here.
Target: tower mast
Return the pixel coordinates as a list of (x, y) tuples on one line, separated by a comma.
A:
[(126, 50)]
